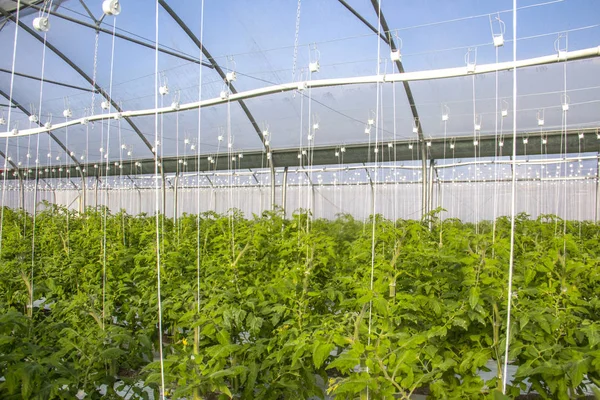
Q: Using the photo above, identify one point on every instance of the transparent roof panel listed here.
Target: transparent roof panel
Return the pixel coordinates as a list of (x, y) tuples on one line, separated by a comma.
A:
[(257, 40)]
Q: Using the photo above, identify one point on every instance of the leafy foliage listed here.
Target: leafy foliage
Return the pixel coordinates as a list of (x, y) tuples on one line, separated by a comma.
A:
[(286, 308)]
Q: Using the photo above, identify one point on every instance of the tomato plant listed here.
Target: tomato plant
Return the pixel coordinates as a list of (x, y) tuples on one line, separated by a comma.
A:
[(286, 308)]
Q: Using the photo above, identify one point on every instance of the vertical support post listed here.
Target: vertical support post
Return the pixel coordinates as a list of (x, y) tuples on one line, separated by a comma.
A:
[(284, 191), (175, 196), (597, 191), (22, 193), (424, 179), (430, 198), (82, 202), (96, 192), (164, 190), (273, 200)]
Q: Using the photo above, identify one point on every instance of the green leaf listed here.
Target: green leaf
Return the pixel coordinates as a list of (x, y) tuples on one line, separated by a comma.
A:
[(499, 396), (321, 352), (473, 297), (112, 353)]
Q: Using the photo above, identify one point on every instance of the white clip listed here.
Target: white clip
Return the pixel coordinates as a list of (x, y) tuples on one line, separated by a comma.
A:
[(41, 24), (302, 86), (471, 60), (105, 105), (314, 66), (33, 118), (111, 7), (2, 121), (224, 95), (540, 118)]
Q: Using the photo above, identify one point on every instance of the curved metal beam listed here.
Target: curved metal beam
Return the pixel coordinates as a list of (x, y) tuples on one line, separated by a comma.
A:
[(216, 66), (80, 72), (97, 27), (364, 21), (57, 140)]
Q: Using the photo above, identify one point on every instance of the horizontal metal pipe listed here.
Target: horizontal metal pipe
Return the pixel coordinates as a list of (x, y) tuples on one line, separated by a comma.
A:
[(398, 77)]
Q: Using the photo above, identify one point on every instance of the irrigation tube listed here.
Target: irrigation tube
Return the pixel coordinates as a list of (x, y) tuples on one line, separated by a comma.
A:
[(286, 87)]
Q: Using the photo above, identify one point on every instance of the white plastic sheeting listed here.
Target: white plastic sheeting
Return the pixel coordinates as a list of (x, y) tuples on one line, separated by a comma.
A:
[(474, 201)]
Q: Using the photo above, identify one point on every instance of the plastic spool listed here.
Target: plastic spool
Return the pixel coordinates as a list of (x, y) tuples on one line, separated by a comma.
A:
[(343, 149), (224, 95), (525, 140), (163, 90), (41, 24), (315, 126), (111, 7), (33, 118), (175, 105), (2, 121), (230, 76), (314, 66), (395, 55), (540, 118), (105, 105), (410, 146), (368, 130), (302, 86), (67, 113)]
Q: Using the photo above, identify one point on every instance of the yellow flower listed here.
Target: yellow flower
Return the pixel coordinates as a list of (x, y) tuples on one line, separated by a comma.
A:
[(185, 342)]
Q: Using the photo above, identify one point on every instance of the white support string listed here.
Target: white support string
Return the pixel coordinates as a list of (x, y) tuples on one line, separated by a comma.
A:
[(198, 144), (374, 204), (37, 177), (157, 210), (512, 204)]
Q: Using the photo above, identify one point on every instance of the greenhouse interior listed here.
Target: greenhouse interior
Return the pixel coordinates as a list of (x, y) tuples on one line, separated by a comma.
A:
[(318, 199)]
